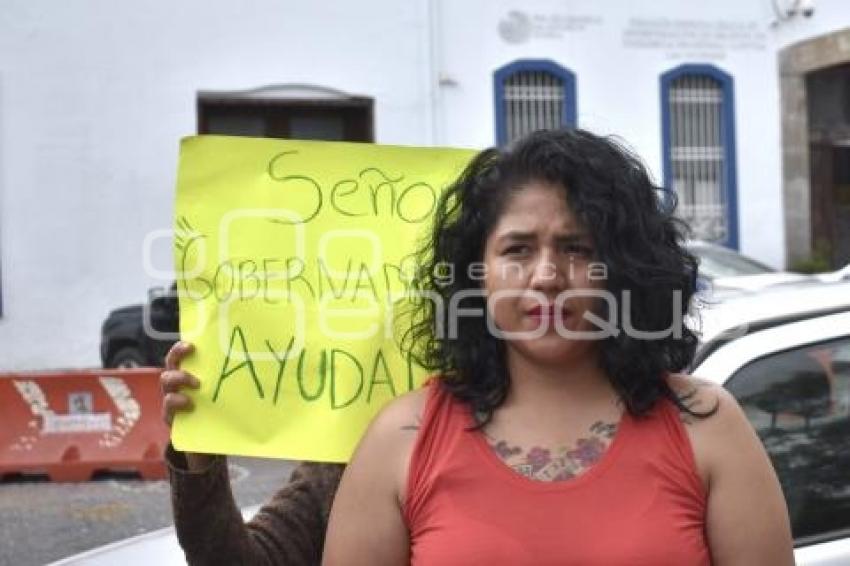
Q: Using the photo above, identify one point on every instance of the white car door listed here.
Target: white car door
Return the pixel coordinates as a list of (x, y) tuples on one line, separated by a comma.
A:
[(793, 382)]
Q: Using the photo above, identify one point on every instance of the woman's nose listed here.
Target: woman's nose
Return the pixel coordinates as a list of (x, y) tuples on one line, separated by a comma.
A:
[(546, 274)]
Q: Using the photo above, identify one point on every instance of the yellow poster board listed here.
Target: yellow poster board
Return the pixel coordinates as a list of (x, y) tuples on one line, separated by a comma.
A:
[(293, 259)]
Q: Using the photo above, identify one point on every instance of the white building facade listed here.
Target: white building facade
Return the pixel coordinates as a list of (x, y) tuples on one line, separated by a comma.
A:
[(95, 95)]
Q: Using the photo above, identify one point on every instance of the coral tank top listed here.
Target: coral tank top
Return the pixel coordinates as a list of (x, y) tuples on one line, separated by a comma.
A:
[(642, 503)]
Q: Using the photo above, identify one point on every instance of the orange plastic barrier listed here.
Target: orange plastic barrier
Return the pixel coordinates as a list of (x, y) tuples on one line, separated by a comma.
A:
[(71, 424)]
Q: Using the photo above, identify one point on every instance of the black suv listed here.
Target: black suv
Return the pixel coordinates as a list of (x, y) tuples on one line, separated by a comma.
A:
[(125, 337)]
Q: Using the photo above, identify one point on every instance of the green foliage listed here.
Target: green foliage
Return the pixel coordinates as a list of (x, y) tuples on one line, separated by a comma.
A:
[(819, 260)]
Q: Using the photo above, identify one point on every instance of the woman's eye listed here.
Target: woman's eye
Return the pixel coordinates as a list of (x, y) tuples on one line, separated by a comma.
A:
[(516, 249), (578, 249)]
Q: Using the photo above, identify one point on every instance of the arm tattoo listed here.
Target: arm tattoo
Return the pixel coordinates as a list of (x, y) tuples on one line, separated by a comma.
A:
[(413, 426)]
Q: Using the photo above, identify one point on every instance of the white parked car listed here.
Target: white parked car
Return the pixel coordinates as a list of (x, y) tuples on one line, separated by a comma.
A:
[(726, 269), (842, 274), (785, 355), (159, 547)]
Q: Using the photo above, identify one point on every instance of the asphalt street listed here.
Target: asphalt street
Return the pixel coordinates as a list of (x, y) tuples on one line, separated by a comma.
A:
[(42, 521)]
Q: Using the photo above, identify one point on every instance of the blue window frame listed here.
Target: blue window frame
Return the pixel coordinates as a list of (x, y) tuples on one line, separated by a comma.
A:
[(532, 94), (698, 138)]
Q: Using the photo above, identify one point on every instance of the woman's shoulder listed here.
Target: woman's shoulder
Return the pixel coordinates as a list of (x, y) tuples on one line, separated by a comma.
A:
[(404, 412), (706, 402), (713, 415), (386, 447), (396, 424)]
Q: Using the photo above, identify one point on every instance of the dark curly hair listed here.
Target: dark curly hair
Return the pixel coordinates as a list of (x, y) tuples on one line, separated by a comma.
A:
[(634, 233)]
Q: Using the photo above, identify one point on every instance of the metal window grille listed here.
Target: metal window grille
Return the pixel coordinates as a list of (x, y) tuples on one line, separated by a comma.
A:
[(697, 154), (534, 100)]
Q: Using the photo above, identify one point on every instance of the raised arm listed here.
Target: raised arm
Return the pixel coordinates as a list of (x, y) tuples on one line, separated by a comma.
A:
[(287, 531)]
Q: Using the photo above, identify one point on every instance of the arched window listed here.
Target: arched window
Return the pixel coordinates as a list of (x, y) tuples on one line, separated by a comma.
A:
[(532, 94), (697, 109)]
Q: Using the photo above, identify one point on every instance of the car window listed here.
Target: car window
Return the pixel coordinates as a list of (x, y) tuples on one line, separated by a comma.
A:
[(799, 403)]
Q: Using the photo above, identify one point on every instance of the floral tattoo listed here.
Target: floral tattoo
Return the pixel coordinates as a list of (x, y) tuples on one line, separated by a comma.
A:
[(561, 463)]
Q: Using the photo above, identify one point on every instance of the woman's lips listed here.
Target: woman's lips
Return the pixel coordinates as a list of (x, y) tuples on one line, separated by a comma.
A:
[(547, 312)]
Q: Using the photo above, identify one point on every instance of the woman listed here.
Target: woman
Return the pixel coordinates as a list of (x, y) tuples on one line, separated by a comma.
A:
[(556, 430)]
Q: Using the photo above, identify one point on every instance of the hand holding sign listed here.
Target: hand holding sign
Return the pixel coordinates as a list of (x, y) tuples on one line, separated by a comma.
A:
[(294, 260), (173, 382)]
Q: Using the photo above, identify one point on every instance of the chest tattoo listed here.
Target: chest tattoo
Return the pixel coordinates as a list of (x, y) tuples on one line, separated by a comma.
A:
[(561, 462)]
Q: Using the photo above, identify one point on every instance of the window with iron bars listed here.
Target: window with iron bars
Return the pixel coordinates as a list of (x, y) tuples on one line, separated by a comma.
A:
[(532, 95), (699, 158)]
